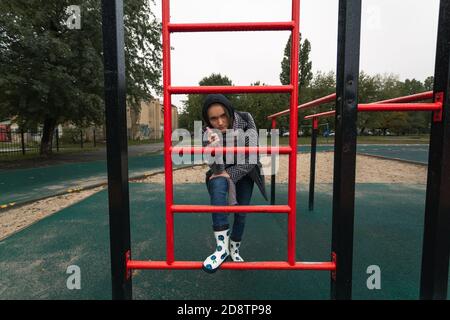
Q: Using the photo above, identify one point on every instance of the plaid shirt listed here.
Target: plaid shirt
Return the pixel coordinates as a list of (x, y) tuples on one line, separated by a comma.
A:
[(240, 167)]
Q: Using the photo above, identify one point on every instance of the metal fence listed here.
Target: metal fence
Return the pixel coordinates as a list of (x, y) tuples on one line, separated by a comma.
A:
[(20, 142)]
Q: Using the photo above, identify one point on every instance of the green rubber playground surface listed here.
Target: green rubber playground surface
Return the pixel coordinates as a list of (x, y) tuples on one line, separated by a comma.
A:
[(388, 233), (412, 152), (408, 152), (29, 184)]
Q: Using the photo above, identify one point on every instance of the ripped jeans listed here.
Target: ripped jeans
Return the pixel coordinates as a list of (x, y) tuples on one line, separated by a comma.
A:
[(218, 191)]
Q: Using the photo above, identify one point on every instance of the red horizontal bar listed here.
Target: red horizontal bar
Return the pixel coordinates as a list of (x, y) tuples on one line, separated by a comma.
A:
[(410, 98), (331, 97), (189, 208), (235, 26), (384, 107), (230, 89), (320, 115), (270, 265), (435, 106), (307, 105), (224, 150)]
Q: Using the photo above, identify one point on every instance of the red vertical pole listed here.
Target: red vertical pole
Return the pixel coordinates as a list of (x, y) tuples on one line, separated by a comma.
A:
[(315, 123), (292, 194), (167, 132)]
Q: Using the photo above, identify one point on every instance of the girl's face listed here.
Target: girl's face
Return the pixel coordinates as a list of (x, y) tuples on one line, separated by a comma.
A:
[(218, 117)]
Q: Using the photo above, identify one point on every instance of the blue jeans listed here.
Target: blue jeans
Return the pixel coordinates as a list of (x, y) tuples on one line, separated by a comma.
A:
[(218, 191)]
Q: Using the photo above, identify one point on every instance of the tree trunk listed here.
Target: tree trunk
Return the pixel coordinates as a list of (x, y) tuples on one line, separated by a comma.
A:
[(47, 136)]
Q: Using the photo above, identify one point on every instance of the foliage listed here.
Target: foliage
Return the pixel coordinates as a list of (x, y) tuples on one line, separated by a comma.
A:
[(51, 74)]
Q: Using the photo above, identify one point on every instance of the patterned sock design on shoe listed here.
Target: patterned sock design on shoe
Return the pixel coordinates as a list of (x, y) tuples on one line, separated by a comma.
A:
[(234, 251), (213, 261)]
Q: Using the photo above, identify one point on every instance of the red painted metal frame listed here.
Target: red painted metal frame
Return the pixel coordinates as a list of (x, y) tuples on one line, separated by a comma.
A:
[(213, 27), (263, 265), (167, 132), (411, 98), (230, 89), (293, 125), (320, 115), (438, 98), (171, 208), (225, 150), (311, 104), (315, 123), (399, 104), (399, 107), (247, 209)]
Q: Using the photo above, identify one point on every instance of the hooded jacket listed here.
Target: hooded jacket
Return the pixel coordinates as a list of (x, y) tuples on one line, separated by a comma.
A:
[(238, 120)]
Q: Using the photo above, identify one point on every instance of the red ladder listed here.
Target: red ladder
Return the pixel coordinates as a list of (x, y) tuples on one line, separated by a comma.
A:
[(171, 208)]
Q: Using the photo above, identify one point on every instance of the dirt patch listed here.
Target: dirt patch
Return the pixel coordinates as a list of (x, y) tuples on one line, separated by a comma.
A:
[(368, 170)]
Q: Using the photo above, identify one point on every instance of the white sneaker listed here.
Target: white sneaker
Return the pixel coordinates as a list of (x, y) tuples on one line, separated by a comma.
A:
[(234, 251)]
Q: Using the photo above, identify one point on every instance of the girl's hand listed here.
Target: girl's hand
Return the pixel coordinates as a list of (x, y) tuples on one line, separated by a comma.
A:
[(213, 138)]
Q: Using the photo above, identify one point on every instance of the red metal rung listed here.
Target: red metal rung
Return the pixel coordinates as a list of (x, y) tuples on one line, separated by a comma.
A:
[(400, 107), (410, 98), (383, 107), (230, 89), (320, 115), (270, 265), (311, 104), (235, 26), (184, 208), (224, 150)]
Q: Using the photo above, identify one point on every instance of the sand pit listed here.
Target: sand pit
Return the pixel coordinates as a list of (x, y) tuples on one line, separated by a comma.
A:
[(368, 170)]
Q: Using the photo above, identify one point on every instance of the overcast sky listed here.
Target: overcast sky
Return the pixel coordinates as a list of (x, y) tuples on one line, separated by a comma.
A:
[(398, 36)]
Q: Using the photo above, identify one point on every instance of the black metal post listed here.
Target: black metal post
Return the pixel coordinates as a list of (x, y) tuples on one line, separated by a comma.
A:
[(436, 239), (81, 139), (272, 182), (116, 148), (22, 138), (57, 140), (95, 142), (312, 163), (273, 164), (345, 146)]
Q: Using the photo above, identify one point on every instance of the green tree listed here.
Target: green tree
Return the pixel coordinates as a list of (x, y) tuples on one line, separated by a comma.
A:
[(429, 83), (51, 74), (417, 121), (321, 85), (262, 105), (304, 67), (368, 91)]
